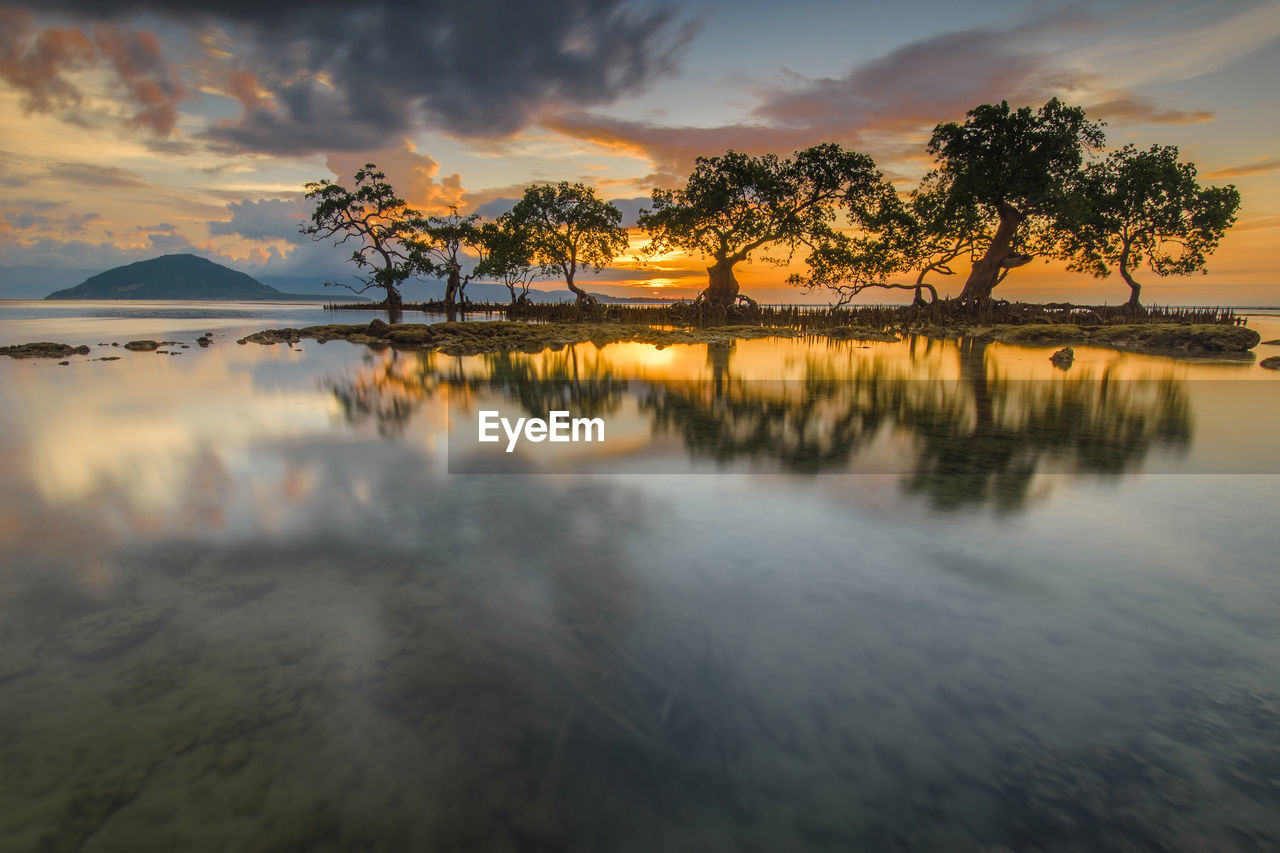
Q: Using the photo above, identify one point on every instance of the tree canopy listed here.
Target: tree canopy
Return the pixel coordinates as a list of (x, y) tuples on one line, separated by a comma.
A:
[(444, 239), (1020, 168), (736, 204), (570, 229), (386, 230), (1141, 207), (506, 248), (1008, 185), (921, 236)]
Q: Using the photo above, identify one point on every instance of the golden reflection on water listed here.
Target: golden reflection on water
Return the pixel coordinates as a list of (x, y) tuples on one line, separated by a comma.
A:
[(177, 440), (969, 422)]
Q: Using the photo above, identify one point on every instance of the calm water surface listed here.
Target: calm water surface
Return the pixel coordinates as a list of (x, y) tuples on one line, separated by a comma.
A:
[(807, 595)]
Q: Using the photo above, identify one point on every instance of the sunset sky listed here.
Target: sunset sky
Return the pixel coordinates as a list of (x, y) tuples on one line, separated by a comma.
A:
[(134, 129)]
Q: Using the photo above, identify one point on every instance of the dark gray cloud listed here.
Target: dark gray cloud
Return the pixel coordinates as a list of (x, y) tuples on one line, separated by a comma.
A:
[(349, 76)]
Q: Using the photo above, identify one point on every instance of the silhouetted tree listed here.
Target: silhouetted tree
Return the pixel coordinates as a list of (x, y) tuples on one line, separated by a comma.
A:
[(920, 236), (1145, 207), (1020, 167), (444, 240), (506, 248), (570, 229), (387, 230), (735, 205)]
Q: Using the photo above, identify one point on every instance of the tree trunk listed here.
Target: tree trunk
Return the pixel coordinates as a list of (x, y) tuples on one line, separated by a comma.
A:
[(584, 299), (722, 287), (393, 299), (1135, 289), (452, 285), (986, 270), (394, 305)]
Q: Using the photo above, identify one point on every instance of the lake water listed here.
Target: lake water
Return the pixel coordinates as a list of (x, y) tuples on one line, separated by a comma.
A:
[(805, 595)]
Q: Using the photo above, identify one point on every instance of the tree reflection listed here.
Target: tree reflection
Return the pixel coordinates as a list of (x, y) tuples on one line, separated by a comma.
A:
[(971, 437), (388, 391), (985, 440), (978, 440), (807, 426)]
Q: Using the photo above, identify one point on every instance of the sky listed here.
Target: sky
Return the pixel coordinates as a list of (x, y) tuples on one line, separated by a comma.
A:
[(135, 128)]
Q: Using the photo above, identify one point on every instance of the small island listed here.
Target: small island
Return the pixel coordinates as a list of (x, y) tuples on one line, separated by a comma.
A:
[(182, 276)]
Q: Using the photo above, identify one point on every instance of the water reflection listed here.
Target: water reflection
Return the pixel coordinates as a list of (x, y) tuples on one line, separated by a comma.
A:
[(244, 607), (976, 439)]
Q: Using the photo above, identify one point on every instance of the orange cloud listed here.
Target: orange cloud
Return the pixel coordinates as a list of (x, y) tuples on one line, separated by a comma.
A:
[(151, 82), (1254, 168), (1262, 224), (33, 61), (413, 175), (1125, 107), (244, 87), (36, 61)]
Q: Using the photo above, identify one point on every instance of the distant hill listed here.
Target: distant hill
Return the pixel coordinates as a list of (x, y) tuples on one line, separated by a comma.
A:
[(190, 277), (173, 277)]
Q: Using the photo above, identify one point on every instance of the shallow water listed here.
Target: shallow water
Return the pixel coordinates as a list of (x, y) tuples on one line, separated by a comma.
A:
[(909, 596)]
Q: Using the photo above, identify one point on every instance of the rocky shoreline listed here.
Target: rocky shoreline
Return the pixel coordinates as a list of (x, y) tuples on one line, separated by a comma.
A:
[(454, 338), (473, 338)]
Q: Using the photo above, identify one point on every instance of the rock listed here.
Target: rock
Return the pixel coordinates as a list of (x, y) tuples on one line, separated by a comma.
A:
[(272, 336), (61, 363), (377, 328), (108, 358), (141, 346), (1275, 343), (204, 342), (1063, 358), (1272, 363), (43, 349)]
